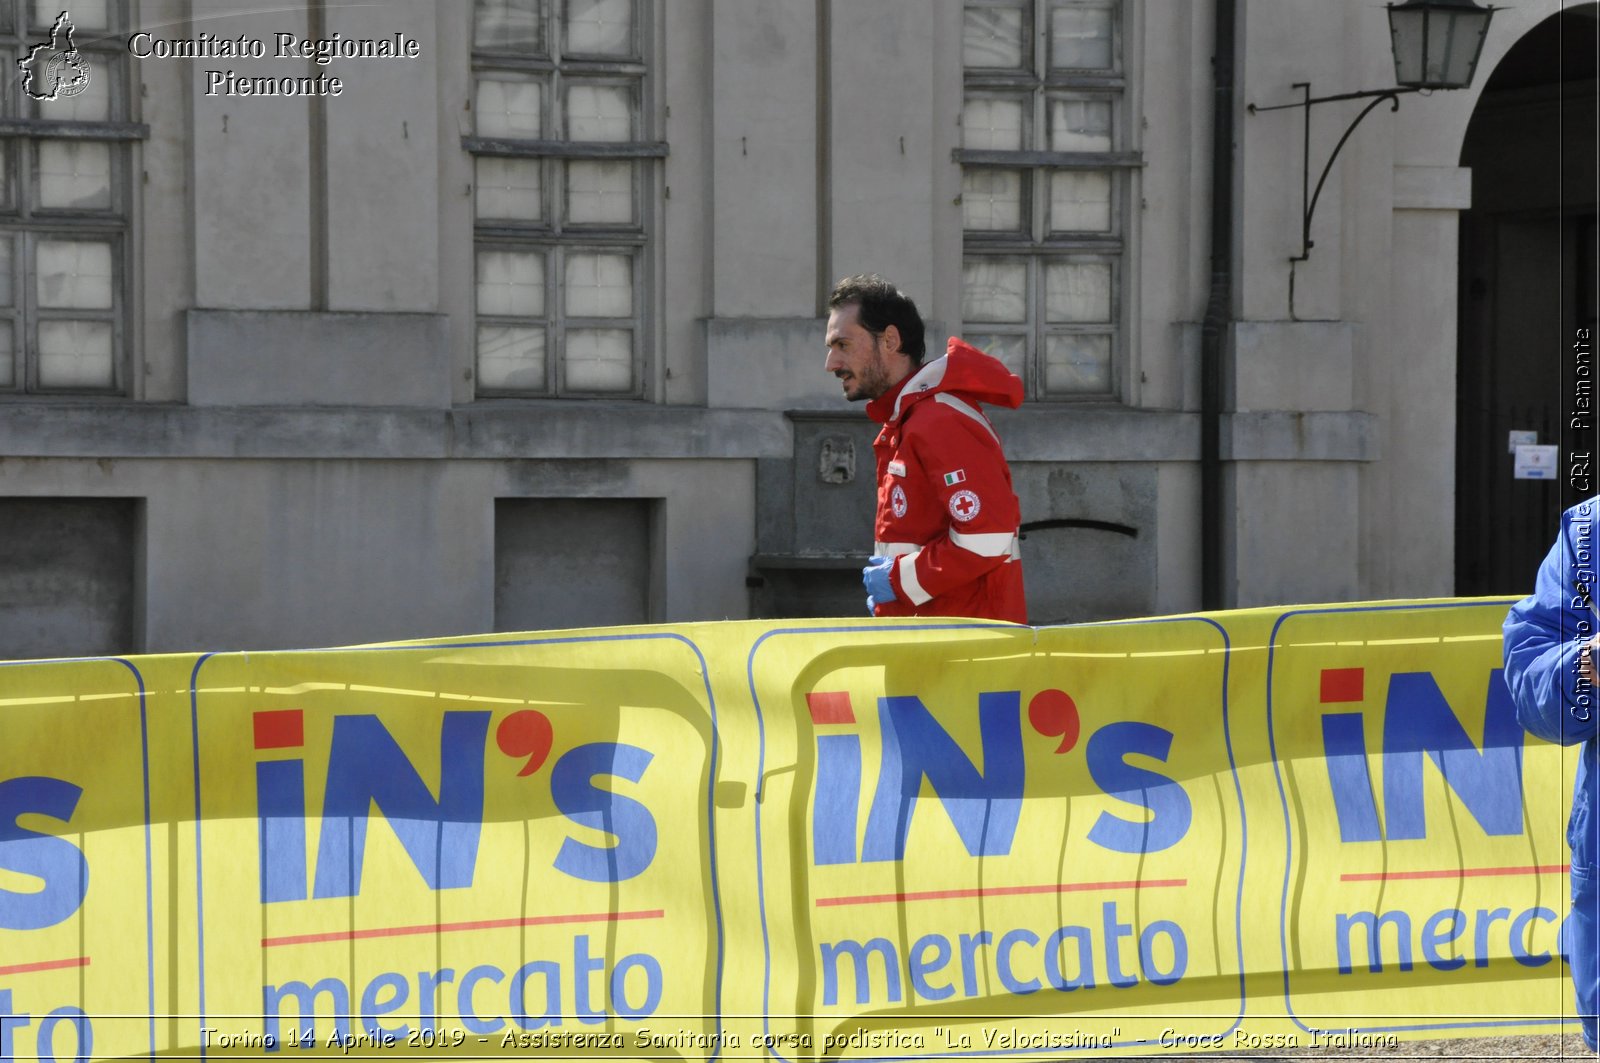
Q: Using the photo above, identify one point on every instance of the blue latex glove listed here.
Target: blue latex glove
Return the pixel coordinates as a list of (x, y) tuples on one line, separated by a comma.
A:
[(875, 577)]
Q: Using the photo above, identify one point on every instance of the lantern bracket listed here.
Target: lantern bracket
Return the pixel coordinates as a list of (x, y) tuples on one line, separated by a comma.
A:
[(1308, 196)]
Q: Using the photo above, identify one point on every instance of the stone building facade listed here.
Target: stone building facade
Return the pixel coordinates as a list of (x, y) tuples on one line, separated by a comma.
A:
[(523, 327)]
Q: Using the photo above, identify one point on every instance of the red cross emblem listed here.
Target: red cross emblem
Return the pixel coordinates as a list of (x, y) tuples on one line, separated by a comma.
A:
[(964, 505)]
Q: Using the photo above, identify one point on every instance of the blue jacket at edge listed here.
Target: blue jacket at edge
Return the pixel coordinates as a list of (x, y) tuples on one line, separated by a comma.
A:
[(1544, 634)]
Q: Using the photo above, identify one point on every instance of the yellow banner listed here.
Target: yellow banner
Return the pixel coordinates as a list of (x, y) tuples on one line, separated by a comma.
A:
[(863, 840)]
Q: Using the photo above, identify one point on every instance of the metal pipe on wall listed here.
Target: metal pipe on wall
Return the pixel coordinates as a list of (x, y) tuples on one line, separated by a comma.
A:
[(1213, 332)]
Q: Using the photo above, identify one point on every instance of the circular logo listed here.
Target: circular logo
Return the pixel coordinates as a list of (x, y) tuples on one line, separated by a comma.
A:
[(964, 505), (897, 500), (66, 75)]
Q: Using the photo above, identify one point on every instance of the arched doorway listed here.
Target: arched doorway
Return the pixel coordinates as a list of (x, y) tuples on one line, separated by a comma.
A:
[(1527, 357)]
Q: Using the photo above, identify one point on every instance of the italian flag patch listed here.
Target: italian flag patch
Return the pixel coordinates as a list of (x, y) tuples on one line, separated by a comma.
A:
[(957, 477)]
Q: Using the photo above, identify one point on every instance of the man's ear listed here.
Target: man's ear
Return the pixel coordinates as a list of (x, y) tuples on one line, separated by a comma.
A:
[(890, 338)]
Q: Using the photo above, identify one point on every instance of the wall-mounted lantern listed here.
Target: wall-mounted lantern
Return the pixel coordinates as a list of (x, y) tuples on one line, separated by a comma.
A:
[(1436, 46), (1437, 42)]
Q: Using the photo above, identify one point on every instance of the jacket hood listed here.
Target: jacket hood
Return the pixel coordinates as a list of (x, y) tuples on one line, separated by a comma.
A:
[(964, 370)]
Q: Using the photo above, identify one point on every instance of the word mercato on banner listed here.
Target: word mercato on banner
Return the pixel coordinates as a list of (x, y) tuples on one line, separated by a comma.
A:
[(869, 840)]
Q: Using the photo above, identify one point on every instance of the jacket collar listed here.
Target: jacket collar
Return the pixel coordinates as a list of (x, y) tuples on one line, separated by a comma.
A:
[(963, 372), (889, 407)]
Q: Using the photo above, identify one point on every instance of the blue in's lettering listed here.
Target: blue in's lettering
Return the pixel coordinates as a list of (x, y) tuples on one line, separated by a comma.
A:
[(982, 806), (55, 862), (1169, 806), (573, 790)]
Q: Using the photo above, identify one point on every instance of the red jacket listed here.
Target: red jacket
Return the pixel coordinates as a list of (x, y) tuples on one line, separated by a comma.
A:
[(946, 509)]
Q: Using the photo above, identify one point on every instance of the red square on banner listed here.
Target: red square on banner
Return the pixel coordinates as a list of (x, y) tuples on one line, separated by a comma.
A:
[(830, 708), (1343, 684), (280, 729)]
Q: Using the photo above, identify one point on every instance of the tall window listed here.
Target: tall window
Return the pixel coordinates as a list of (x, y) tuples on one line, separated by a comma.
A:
[(1045, 190), (64, 200), (562, 196)]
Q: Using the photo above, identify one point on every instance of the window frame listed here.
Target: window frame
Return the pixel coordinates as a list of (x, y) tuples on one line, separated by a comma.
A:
[(554, 234), (25, 127), (1038, 163)]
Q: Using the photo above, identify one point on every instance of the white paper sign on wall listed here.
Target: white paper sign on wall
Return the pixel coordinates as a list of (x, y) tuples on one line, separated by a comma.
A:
[(1521, 438), (1535, 463)]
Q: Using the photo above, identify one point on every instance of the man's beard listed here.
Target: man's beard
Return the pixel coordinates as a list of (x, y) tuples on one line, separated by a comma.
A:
[(873, 380)]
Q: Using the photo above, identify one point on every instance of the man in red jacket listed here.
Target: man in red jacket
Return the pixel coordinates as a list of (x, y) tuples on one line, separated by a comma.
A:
[(946, 527)]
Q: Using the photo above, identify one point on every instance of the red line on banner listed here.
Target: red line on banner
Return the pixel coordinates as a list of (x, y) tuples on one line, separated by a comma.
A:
[(446, 928), (1002, 891), (45, 965), (1471, 872)]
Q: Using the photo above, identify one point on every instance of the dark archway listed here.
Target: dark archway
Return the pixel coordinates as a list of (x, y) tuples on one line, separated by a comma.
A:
[(1528, 283)]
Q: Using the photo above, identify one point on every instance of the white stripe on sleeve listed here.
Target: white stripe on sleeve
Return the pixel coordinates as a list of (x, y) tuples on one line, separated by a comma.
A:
[(908, 579), (984, 544)]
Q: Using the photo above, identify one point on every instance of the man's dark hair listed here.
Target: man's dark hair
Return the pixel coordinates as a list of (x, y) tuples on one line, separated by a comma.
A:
[(881, 305)]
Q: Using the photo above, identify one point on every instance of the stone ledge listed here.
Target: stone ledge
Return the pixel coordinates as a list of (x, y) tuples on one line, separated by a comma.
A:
[(1062, 432), (1432, 188), (560, 430), (1286, 435), (551, 430)]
